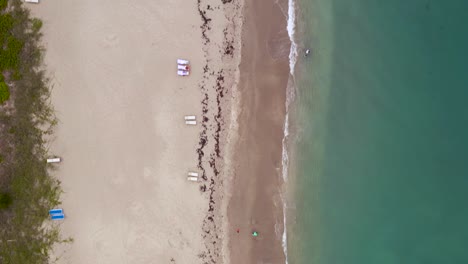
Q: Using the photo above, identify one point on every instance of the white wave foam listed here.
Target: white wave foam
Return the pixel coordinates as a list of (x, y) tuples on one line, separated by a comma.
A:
[(285, 238), (285, 165), (285, 155), (290, 95), (291, 27)]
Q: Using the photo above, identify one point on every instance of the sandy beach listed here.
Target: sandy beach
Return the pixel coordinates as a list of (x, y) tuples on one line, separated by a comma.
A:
[(125, 148)]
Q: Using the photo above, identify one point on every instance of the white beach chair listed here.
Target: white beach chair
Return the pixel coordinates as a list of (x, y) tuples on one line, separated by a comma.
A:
[(193, 174), (182, 62), (183, 73), (190, 117), (191, 122), (32, 1), (53, 160), (183, 67), (191, 178)]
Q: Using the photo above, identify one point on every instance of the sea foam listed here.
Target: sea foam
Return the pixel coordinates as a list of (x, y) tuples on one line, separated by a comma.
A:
[(291, 27), (290, 94), (293, 54)]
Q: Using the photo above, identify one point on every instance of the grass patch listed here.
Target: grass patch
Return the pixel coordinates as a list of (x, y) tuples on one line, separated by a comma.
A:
[(4, 92), (5, 201), (27, 191), (3, 4)]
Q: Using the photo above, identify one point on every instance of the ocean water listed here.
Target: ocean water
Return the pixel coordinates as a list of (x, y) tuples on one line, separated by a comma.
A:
[(380, 128)]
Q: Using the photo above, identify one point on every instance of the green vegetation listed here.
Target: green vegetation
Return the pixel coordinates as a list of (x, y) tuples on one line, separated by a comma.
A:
[(36, 24), (3, 4), (4, 92), (26, 188), (5, 201)]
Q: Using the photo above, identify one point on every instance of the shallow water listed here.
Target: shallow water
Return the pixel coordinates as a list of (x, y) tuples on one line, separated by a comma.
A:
[(380, 123)]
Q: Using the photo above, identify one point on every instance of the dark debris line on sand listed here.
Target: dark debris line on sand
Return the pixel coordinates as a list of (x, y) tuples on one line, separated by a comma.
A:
[(209, 183)]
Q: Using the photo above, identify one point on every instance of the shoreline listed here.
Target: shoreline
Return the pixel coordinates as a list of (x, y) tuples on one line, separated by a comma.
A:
[(256, 203), (240, 78)]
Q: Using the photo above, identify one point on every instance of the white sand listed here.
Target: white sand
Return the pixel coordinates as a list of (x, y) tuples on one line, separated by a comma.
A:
[(125, 148)]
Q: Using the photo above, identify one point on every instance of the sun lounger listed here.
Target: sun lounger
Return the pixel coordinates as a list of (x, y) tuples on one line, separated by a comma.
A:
[(190, 117), (183, 73), (32, 1), (193, 174), (182, 62), (190, 178), (56, 211), (53, 160), (183, 67), (190, 122), (57, 217)]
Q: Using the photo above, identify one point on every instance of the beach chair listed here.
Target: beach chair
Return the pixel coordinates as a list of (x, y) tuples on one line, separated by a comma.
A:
[(32, 1), (191, 122), (57, 217), (56, 211), (183, 73), (182, 62), (191, 178), (190, 117), (183, 67), (53, 160), (193, 174)]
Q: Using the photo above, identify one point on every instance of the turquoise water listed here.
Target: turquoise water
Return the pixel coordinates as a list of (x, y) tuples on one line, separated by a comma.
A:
[(381, 127)]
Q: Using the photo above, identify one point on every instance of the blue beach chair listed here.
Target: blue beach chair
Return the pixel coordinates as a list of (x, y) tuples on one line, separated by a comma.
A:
[(56, 211), (57, 217)]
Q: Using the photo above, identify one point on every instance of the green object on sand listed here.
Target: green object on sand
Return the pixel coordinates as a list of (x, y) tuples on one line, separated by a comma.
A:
[(254, 233)]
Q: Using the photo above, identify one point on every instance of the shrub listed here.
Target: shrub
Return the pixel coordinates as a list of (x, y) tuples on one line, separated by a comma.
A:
[(5, 200), (9, 57), (4, 92), (36, 24), (31, 190), (6, 24), (3, 4)]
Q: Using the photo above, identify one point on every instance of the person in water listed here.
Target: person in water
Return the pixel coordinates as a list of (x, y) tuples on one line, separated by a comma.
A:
[(307, 52)]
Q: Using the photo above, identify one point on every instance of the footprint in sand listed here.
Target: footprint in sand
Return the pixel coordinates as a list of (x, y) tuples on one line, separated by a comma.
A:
[(99, 244), (111, 41), (178, 245), (118, 179), (136, 209), (147, 173)]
